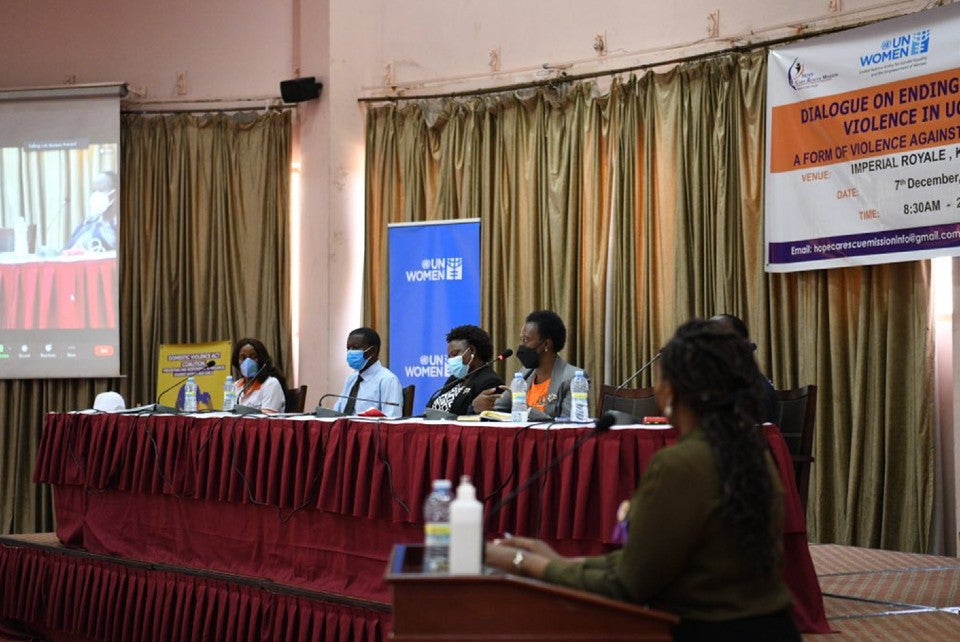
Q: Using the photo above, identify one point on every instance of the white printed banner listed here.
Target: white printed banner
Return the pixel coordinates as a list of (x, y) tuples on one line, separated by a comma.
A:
[(863, 145)]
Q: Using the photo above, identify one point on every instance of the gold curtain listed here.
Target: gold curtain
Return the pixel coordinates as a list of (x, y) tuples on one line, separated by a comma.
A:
[(630, 212), (207, 203), (203, 257)]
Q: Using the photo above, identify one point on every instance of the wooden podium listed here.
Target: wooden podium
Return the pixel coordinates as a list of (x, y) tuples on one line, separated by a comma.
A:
[(498, 607)]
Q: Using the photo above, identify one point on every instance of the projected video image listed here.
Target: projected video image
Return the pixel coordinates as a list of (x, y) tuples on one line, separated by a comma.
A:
[(59, 231)]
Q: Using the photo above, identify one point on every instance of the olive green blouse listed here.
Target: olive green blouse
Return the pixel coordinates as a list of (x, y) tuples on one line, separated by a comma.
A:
[(680, 555)]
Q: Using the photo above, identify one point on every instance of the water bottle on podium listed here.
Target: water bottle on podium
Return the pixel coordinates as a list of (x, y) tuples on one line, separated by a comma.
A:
[(229, 394), (190, 396), (580, 394), (518, 409), (436, 527)]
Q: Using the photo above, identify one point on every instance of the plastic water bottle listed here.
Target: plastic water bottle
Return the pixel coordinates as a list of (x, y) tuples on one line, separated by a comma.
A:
[(436, 527), (190, 396), (580, 392), (229, 394), (466, 530), (518, 409)]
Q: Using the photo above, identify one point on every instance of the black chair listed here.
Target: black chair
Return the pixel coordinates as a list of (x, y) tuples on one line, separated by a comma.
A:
[(636, 402), (796, 418), (296, 399), (408, 392)]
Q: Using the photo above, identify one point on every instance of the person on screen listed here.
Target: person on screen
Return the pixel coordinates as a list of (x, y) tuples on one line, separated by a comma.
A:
[(736, 324), (98, 232), (706, 520), (372, 388), (469, 351), (548, 376), (259, 384)]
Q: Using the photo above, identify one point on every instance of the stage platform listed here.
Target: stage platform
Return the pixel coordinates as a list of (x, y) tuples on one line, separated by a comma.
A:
[(884, 595), (869, 595)]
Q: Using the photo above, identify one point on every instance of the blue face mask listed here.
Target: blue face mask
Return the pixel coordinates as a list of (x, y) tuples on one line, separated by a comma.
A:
[(457, 367), (355, 359), (249, 367)]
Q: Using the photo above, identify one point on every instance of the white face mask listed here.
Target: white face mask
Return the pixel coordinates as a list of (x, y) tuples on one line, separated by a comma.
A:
[(100, 202)]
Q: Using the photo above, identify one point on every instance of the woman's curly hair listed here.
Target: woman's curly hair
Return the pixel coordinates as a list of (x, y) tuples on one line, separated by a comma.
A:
[(713, 373)]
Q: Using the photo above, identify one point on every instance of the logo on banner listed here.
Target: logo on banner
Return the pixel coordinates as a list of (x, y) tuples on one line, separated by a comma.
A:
[(430, 365), (899, 50), (799, 78), (439, 269)]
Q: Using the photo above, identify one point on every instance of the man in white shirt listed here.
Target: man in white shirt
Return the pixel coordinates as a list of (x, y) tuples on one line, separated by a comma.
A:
[(372, 385)]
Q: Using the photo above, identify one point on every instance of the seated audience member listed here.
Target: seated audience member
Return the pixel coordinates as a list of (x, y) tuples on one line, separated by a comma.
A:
[(705, 523), (98, 232), (260, 385), (736, 324), (548, 376), (372, 386), (469, 351)]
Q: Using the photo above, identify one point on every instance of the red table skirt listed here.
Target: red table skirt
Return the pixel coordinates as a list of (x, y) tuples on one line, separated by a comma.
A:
[(59, 294), (319, 504), (62, 597)]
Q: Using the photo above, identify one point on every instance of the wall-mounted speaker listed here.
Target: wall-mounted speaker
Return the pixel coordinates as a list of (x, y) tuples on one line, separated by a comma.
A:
[(299, 90)]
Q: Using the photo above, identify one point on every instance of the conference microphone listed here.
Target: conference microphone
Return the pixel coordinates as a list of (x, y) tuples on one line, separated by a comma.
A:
[(503, 356), (636, 374), (329, 412), (158, 407), (602, 425)]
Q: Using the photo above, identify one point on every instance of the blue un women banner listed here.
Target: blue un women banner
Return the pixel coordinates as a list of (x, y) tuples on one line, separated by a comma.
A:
[(434, 287)]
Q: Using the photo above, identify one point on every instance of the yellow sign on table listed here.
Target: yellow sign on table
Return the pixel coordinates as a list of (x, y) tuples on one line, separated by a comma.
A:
[(207, 363)]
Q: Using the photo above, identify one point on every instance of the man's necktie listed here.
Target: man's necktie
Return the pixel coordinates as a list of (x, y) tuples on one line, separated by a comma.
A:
[(352, 401)]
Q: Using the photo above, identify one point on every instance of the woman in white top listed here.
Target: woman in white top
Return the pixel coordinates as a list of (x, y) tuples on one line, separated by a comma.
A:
[(260, 385)]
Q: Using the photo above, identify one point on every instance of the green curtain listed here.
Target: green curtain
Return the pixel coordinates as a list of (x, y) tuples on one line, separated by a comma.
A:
[(204, 257), (633, 210)]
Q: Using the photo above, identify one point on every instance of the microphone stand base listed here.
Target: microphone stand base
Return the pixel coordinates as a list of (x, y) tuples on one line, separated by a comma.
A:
[(246, 410)]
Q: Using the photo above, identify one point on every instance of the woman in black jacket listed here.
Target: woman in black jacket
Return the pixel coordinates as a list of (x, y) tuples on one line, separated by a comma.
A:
[(469, 351)]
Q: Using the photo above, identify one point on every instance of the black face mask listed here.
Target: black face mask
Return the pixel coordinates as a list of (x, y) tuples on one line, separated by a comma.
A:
[(529, 357)]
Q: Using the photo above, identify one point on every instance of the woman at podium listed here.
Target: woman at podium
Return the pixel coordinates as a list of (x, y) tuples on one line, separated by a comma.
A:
[(705, 522)]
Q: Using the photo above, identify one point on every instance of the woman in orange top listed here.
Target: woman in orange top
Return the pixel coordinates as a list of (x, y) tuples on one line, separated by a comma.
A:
[(548, 376)]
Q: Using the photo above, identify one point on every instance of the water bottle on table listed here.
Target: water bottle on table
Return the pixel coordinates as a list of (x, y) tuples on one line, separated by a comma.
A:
[(518, 409), (190, 396), (580, 393), (229, 394), (436, 527)]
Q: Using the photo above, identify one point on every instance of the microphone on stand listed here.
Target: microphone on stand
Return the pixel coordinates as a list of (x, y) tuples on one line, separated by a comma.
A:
[(625, 418), (637, 373), (158, 407), (430, 413), (329, 412), (601, 426)]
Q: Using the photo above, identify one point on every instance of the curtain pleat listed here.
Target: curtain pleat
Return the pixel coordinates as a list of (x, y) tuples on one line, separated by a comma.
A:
[(632, 211), (204, 257)]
